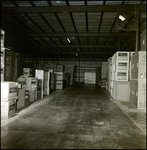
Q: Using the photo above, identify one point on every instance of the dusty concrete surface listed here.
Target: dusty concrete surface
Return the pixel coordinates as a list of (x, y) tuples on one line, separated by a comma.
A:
[(81, 117)]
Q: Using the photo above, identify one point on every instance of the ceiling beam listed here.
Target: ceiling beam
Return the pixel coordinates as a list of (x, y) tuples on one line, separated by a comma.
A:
[(77, 46), (117, 34), (88, 53), (55, 9)]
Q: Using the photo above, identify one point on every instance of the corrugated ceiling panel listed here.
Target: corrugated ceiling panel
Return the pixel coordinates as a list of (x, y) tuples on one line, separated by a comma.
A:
[(40, 3), (80, 21), (94, 2), (108, 19), (132, 2), (58, 3), (7, 4), (113, 2), (53, 22), (31, 25), (92, 40), (23, 3), (40, 22), (66, 21), (76, 2), (93, 21)]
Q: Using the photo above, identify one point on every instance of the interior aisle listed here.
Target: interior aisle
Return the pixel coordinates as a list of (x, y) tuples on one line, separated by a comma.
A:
[(78, 117)]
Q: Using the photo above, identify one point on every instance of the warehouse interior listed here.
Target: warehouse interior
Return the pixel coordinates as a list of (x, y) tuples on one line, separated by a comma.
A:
[(73, 74)]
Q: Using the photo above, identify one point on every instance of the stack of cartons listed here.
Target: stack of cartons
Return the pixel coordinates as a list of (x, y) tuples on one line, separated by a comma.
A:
[(109, 75), (138, 80), (2, 38), (52, 79), (8, 99), (28, 72), (90, 78), (39, 74), (143, 41), (69, 74), (59, 76), (47, 84), (19, 63), (120, 85), (2, 63), (104, 73), (9, 65)]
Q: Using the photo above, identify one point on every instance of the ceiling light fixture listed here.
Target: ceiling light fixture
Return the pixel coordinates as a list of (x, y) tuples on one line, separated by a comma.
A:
[(68, 40), (57, 1), (76, 54), (122, 18)]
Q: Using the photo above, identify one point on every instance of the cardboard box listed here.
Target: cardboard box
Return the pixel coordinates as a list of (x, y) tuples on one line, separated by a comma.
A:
[(8, 90), (2, 37), (47, 90), (8, 108), (121, 76), (28, 72), (21, 98), (138, 65), (122, 56), (121, 91), (31, 80), (122, 66), (31, 87), (47, 75), (39, 74), (59, 85), (47, 84), (138, 90), (143, 41)]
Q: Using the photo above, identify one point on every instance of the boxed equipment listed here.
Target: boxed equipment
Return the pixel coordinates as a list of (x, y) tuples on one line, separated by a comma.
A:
[(8, 90)]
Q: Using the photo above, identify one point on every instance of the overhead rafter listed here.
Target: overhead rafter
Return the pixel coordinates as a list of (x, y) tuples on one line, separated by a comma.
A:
[(117, 34), (46, 9), (77, 46)]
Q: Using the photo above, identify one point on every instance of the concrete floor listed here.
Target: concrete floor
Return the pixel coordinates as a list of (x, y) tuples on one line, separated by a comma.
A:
[(78, 117)]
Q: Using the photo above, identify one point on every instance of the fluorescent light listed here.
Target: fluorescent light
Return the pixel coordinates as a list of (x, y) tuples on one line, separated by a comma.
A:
[(57, 1), (68, 40), (122, 18)]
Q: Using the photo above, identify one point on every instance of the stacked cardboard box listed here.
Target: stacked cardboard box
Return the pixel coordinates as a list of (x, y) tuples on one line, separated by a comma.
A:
[(69, 74), (39, 74), (143, 41), (90, 78), (119, 85), (47, 84), (8, 99), (2, 63), (138, 80), (104, 72), (59, 80)]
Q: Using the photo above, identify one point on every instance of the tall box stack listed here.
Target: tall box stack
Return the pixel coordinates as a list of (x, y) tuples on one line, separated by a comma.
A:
[(28, 72), (69, 74), (19, 63), (47, 84), (52, 79), (9, 65), (59, 80), (2, 63), (39, 74), (90, 78), (109, 75), (104, 73), (8, 99), (138, 80), (143, 41), (119, 83), (2, 37)]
